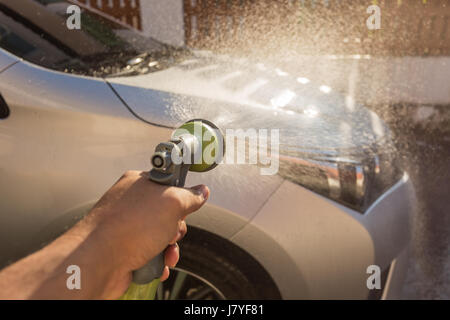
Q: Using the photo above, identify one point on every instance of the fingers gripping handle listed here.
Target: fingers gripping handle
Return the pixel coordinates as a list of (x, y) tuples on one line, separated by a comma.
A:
[(152, 270)]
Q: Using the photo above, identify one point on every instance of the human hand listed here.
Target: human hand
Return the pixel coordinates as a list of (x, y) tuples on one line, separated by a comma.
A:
[(137, 219)]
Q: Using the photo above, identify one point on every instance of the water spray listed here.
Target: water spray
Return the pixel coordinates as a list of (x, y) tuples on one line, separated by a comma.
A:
[(198, 145)]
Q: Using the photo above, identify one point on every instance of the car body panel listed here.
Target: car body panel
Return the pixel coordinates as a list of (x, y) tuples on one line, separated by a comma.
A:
[(6, 60), (393, 289), (391, 231), (331, 246)]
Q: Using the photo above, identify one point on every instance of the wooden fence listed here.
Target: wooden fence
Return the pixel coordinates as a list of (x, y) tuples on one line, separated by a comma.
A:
[(408, 27)]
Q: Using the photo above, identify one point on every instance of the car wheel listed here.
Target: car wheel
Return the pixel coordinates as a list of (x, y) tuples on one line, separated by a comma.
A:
[(212, 268)]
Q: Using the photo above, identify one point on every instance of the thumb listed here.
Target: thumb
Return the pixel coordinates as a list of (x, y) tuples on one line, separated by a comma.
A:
[(193, 198)]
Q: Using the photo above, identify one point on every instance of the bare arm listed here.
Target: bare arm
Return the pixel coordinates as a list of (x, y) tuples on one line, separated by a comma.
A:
[(134, 221)]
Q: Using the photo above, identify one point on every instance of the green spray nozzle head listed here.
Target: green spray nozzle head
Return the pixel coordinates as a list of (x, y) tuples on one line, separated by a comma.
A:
[(197, 145), (209, 144)]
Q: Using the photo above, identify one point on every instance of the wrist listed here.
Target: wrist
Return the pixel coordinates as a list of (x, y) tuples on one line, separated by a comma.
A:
[(98, 259)]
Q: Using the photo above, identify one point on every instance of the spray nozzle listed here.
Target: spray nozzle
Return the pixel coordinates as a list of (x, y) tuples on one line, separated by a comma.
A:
[(197, 145), (160, 160)]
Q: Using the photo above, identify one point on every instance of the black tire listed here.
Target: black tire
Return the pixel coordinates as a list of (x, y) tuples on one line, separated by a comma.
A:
[(229, 271)]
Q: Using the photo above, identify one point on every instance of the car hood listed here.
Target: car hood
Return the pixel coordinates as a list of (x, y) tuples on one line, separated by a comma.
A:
[(240, 94)]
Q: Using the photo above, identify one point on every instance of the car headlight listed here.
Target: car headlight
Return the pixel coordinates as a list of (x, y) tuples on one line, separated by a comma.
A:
[(355, 180)]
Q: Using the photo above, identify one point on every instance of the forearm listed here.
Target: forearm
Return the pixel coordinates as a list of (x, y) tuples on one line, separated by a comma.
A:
[(43, 275)]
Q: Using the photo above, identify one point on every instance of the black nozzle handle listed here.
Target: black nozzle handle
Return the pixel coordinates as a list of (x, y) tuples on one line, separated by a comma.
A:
[(152, 270)]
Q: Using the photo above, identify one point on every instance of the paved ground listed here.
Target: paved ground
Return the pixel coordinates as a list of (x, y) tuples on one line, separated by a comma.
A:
[(425, 146)]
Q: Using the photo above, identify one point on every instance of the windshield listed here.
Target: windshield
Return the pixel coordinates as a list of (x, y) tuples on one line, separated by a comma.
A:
[(38, 31)]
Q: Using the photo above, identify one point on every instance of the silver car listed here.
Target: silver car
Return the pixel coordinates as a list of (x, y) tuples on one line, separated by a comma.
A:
[(80, 107)]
